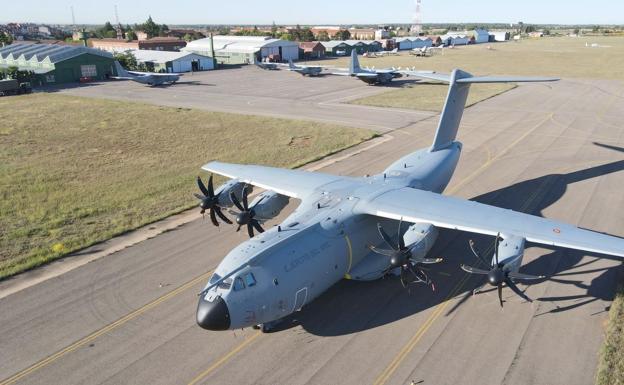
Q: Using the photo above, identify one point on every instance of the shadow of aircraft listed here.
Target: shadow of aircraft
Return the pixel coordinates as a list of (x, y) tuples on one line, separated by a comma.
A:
[(351, 306)]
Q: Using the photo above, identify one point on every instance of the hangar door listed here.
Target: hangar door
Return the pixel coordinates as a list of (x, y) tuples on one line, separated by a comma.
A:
[(182, 65)]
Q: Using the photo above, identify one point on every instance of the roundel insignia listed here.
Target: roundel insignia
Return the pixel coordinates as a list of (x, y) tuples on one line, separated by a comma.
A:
[(556, 230)]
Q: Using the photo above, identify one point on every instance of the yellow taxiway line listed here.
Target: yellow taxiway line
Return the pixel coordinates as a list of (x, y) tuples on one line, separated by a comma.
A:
[(226, 357), (85, 340)]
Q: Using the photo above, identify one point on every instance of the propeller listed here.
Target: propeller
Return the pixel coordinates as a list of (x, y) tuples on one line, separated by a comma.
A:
[(246, 214), (210, 201), (401, 256), (498, 275)]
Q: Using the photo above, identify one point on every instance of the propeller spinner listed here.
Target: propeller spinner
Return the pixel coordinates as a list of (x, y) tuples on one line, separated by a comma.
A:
[(210, 201), (246, 214)]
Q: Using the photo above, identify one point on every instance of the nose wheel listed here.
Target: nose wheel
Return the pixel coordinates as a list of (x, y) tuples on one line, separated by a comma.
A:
[(265, 327)]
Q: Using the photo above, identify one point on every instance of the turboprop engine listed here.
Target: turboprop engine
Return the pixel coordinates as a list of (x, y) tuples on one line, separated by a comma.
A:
[(419, 239), (265, 206), (410, 250), (221, 198), (504, 266)]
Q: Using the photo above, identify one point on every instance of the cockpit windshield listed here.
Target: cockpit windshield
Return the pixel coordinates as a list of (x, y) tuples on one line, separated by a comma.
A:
[(225, 284), (215, 277)]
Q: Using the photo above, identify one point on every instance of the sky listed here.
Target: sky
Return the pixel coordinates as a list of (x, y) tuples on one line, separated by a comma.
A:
[(316, 11)]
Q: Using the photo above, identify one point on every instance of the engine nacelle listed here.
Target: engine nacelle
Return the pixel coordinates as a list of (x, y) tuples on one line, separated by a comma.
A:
[(268, 205), (510, 252), (233, 185), (420, 238)]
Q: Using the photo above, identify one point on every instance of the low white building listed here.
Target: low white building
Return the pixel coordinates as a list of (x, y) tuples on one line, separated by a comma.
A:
[(500, 35), (245, 49), (166, 61), (481, 36)]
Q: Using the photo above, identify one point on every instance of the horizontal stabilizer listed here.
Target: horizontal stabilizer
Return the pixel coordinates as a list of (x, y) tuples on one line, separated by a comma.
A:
[(504, 79), (446, 78)]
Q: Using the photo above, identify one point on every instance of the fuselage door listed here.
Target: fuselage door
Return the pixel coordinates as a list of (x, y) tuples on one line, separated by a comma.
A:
[(300, 298)]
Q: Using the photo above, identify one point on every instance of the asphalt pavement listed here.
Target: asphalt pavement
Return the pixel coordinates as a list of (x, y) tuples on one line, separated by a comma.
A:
[(555, 150)]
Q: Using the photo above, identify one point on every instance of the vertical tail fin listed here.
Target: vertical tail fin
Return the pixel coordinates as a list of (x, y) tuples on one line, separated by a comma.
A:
[(120, 70), (354, 65), (459, 86), (452, 111)]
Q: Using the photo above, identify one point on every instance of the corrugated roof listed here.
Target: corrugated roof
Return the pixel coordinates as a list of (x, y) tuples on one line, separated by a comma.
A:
[(249, 44), (55, 53), (333, 43)]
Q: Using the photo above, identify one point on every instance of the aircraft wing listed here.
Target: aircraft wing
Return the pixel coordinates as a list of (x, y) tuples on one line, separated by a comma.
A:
[(154, 73), (448, 212), (366, 74), (293, 183)]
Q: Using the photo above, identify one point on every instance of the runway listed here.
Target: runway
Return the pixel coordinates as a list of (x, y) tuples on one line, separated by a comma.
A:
[(554, 150)]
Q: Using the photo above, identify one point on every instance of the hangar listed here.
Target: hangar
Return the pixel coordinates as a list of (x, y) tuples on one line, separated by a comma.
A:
[(56, 64), (337, 48), (165, 61), (245, 49), (413, 42)]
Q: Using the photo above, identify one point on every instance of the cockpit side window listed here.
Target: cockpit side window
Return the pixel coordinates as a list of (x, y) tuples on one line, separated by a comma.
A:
[(238, 284), (215, 277), (226, 284), (250, 280)]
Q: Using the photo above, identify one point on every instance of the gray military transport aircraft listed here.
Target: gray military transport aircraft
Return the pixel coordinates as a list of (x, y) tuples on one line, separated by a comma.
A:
[(374, 76), (149, 78), (342, 227), (304, 70)]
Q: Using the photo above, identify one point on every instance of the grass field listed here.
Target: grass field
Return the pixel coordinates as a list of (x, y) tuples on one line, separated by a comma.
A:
[(611, 366), (429, 97), (75, 171), (563, 57)]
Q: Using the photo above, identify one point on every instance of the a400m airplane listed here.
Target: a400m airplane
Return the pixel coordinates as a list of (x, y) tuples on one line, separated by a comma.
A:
[(341, 227)]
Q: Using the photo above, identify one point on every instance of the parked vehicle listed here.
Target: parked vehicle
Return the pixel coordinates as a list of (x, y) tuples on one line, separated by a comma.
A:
[(12, 87)]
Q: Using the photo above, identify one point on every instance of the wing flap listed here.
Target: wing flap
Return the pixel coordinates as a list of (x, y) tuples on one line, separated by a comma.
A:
[(448, 212), (293, 183)]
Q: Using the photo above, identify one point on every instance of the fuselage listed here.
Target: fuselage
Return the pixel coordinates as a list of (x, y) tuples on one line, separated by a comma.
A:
[(323, 241)]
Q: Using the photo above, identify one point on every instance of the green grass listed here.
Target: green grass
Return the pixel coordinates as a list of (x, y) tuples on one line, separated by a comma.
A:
[(611, 365), (75, 171), (429, 97), (563, 57)]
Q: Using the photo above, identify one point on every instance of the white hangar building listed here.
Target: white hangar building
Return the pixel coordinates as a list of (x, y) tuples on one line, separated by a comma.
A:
[(167, 61), (245, 49)]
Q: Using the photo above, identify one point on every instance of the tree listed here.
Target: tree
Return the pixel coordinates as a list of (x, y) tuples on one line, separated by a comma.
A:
[(323, 36), (131, 35), (576, 31), (21, 76), (274, 30), (150, 28), (107, 31), (5, 39), (286, 36), (127, 60), (187, 37), (343, 34)]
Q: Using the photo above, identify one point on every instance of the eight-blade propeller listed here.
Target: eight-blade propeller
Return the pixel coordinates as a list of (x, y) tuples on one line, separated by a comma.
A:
[(210, 201), (401, 256), (498, 275), (246, 214)]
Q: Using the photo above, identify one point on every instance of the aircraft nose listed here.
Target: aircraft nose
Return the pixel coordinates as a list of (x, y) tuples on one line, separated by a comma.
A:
[(213, 315)]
